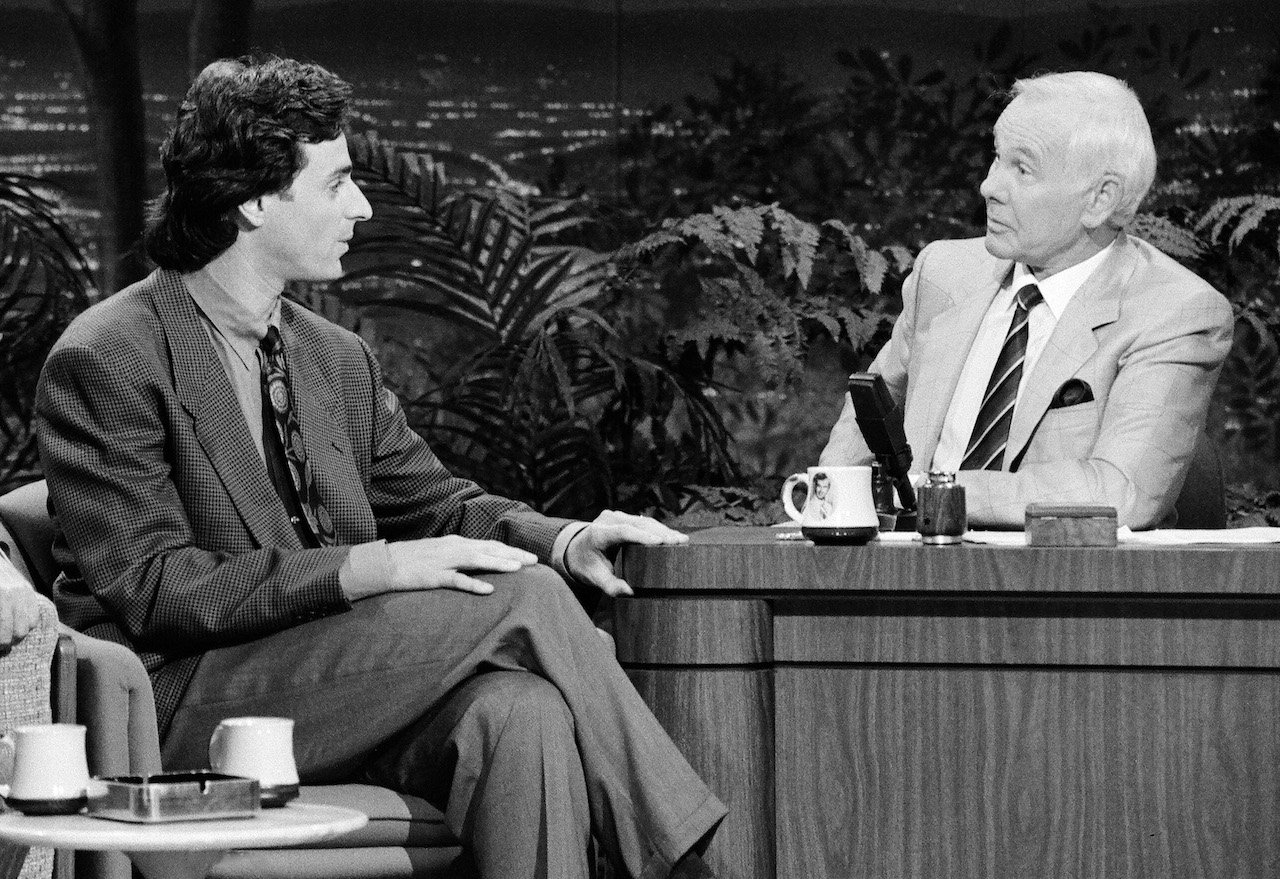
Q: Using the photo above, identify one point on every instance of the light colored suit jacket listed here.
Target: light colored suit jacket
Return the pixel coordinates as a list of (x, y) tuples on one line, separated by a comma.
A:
[(177, 541), (1147, 335)]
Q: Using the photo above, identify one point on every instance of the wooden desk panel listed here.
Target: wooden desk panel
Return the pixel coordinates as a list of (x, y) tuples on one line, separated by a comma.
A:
[(1053, 641), (727, 735), (1011, 774), (972, 712)]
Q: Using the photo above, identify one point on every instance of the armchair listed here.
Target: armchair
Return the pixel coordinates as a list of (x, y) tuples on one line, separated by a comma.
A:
[(405, 838), (26, 691)]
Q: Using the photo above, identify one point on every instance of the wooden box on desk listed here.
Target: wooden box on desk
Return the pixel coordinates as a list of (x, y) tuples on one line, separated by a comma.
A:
[(1070, 525)]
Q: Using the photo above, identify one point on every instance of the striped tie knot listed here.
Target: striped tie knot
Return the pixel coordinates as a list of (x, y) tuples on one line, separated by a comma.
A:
[(1028, 296), (271, 342)]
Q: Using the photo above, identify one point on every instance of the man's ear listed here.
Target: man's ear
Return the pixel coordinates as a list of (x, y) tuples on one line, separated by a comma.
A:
[(250, 214), (1102, 200)]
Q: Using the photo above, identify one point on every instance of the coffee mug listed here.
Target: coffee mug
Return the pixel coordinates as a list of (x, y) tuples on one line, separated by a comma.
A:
[(50, 773), (839, 508), (261, 748)]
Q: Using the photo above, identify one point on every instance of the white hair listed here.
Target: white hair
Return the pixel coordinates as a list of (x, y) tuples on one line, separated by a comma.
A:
[(1109, 131)]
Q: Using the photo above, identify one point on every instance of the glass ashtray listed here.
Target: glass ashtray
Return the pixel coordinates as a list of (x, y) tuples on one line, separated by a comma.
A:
[(173, 796)]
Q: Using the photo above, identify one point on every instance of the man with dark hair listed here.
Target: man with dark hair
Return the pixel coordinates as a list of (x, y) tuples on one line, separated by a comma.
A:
[(243, 503)]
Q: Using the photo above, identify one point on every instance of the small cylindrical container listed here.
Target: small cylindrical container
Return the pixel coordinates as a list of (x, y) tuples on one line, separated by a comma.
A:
[(943, 517), (885, 499)]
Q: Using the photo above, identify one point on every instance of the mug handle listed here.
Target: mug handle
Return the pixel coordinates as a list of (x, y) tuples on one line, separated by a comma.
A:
[(216, 748), (8, 745), (787, 504)]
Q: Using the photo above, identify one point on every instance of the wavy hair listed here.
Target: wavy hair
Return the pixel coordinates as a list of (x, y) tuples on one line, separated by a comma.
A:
[(1109, 134), (237, 137)]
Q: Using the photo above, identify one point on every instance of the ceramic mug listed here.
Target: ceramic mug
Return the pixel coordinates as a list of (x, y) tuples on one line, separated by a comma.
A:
[(261, 748), (839, 507), (50, 772)]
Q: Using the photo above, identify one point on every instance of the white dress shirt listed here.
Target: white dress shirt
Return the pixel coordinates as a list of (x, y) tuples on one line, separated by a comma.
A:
[(1057, 291)]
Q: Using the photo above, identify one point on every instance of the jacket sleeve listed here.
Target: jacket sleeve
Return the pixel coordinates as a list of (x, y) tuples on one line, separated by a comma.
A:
[(110, 461), (845, 446), (412, 494)]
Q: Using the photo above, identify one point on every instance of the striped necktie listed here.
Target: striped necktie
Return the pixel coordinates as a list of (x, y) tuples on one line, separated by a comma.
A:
[(991, 430), (276, 396)]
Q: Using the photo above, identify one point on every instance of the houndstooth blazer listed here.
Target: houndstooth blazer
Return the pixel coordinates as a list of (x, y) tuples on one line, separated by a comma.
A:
[(172, 539), (1146, 335)]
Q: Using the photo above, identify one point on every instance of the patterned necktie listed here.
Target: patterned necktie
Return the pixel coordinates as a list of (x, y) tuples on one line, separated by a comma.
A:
[(991, 430), (276, 394)]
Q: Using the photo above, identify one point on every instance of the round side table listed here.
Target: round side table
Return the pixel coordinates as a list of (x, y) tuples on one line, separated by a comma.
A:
[(182, 849)]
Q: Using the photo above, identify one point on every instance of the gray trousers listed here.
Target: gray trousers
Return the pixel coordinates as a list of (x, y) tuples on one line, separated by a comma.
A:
[(506, 711)]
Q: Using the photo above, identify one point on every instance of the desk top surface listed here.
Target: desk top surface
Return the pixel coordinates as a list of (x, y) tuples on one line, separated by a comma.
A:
[(754, 559), (291, 825)]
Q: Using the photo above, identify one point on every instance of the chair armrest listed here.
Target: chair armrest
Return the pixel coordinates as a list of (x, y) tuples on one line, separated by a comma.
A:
[(62, 680), (24, 675), (114, 700)]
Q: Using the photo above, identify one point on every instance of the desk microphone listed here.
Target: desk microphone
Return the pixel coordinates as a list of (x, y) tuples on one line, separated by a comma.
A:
[(880, 421)]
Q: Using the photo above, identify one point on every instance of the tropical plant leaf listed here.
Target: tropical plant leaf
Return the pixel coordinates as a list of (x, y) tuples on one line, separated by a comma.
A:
[(1177, 241), (746, 225), (538, 397), (1244, 213), (45, 280)]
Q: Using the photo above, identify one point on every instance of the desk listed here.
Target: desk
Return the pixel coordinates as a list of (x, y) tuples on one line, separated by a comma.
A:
[(182, 849), (971, 712)]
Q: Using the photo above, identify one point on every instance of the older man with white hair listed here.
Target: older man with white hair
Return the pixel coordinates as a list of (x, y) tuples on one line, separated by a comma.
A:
[(1058, 359)]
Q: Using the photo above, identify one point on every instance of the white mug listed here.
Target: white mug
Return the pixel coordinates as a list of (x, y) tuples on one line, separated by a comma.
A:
[(50, 772), (839, 508), (261, 748)]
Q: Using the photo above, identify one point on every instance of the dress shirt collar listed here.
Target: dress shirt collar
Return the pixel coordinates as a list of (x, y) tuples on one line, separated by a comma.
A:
[(1058, 288), (240, 317)]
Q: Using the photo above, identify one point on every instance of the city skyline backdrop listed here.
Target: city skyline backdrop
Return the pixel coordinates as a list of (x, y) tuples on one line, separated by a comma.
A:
[(518, 83)]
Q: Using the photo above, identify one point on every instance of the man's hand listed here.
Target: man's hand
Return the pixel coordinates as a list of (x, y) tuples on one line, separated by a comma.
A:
[(20, 605), (585, 557), (445, 562)]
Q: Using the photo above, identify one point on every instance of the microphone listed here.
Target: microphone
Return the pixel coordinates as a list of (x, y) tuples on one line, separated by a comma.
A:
[(880, 421)]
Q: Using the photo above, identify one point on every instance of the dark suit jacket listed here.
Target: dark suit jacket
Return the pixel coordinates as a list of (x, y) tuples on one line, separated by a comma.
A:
[(1145, 334), (173, 539)]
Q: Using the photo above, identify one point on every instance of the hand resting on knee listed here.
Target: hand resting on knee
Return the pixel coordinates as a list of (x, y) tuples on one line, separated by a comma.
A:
[(444, 563)]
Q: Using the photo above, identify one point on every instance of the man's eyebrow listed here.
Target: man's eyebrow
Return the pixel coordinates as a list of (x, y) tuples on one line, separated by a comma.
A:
[(344, 171), (1022, 151)]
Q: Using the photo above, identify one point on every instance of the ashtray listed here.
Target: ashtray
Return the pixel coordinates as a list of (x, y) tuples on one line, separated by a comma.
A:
[(174, 796)]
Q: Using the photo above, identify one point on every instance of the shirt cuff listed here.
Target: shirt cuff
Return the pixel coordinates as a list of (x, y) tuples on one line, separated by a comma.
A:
[(367, 565), (561, 546)]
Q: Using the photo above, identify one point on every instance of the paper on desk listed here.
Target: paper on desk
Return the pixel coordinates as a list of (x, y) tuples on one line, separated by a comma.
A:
[(899, 536), (1159, 537), (996, 538), (1186, 536)]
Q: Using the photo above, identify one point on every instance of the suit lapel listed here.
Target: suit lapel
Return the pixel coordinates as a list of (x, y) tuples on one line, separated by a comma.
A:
[(205, 393), (1072, 343), (316, 404), (952, 331)]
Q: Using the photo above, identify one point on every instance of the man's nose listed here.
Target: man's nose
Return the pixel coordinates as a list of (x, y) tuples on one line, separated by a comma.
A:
[(360, 209), (987, 189)]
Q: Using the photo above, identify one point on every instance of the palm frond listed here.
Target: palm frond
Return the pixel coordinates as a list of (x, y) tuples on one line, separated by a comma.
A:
[(45, 280), (536, 396)]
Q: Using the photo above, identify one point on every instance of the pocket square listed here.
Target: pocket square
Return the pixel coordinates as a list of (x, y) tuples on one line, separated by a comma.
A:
[(1072, 393)]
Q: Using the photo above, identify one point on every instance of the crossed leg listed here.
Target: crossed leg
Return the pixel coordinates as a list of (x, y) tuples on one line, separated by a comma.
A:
[(372, 694)]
